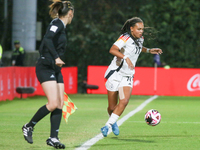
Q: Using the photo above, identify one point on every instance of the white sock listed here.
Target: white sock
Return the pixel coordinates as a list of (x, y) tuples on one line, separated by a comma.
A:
[(113, 118)]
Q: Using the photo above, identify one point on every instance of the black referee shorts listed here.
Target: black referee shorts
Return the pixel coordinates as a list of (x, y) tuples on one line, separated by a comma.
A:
[(46, 70)]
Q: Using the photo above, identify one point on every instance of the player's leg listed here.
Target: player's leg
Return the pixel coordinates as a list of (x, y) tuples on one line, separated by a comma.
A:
[(111, 84), (112, 92), (50, 89), (124, 96), (125, 89), (112, 101)]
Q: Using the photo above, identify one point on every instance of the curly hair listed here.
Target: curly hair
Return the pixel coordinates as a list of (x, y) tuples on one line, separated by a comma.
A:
[(130, 23)]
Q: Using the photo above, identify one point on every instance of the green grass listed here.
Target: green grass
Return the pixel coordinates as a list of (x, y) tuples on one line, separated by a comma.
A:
[(179, 127)]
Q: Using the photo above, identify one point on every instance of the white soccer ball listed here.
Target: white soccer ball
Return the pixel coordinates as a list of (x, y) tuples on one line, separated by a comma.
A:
[(152, 117)]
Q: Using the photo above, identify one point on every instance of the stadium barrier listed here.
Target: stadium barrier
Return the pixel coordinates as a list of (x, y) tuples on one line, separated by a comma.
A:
[(153, 81), (13, 77)]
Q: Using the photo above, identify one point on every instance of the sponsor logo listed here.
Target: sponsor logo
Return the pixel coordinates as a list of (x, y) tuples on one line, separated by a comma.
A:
[(70, 81), (1, 82), (34, 122), (9, 85), (52, 76), (36, 82), (194, 83), (136, 82)]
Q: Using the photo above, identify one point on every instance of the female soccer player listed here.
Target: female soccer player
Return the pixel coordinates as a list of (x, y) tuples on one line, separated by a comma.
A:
[(119, 75), (48, 71)]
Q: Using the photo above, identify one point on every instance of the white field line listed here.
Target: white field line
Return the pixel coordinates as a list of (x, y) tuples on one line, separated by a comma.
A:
[(98, 137)]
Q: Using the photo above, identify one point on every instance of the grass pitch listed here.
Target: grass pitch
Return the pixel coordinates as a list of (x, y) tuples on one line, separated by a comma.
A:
[(179, 127)]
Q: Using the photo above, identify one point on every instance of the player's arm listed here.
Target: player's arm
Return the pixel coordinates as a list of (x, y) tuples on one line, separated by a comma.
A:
[(114, 50), (152, 50)]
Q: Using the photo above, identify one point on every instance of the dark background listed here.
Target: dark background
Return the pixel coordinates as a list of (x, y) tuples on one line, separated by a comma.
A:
[(174, 27)]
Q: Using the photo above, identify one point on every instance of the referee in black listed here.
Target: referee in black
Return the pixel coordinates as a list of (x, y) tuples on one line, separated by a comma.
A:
[(48, 71)]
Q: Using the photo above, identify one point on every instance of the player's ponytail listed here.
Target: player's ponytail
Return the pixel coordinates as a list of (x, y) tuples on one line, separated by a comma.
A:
[(130, 23), (59, 8)]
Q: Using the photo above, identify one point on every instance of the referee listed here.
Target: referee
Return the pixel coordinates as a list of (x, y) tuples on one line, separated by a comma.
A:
[(48, 71)]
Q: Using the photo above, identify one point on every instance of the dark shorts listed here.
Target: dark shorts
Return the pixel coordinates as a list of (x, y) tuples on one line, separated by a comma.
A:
[(46, 70)]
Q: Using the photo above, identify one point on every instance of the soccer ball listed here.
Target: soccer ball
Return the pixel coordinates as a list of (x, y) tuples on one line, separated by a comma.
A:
[(152, 117)]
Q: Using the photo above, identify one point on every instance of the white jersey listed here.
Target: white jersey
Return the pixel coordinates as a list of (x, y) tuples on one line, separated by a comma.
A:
[(129, 48)]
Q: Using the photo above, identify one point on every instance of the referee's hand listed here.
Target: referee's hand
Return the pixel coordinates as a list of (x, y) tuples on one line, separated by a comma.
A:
[(59, 62)]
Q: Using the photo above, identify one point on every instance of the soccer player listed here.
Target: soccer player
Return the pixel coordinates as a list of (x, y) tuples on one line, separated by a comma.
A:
[(48, 71), (119, 75)]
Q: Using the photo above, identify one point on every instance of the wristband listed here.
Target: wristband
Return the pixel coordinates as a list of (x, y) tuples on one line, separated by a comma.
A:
[(148, 49), (125, 57)]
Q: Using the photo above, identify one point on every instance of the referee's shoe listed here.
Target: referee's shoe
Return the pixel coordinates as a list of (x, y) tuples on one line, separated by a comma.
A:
[(55, 143), (27, 133)]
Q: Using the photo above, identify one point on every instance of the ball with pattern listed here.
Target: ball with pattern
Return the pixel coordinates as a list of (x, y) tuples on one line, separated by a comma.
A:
[(152, 117)]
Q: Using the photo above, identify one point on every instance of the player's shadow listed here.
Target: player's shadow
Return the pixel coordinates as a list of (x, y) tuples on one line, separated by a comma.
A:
[(132, 140)]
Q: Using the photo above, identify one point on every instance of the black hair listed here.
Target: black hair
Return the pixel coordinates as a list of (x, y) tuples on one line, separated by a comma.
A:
[(59, 8), (130, 23)]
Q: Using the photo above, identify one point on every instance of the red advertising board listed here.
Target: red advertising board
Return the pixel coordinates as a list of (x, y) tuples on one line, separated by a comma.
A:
[(153, 81), (12, 77)]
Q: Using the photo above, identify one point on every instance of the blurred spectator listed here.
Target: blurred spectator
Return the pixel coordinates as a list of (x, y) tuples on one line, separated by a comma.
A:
[(1, 52), (18, 55)]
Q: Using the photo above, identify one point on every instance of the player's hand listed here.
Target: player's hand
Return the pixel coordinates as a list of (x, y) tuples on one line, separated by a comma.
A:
[(59, 62), (155, 51), (130, 65)]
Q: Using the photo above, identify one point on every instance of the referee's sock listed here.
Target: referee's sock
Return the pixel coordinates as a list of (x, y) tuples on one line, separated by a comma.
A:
[(41, 113), (56, 116)]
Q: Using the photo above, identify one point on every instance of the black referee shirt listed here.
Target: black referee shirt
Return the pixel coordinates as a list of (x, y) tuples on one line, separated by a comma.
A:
[(54, 41)]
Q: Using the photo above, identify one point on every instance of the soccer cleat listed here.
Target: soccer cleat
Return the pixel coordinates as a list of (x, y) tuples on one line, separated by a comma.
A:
[(55, 143), (104, 130), (115, 128), (27, 133)]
